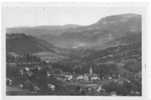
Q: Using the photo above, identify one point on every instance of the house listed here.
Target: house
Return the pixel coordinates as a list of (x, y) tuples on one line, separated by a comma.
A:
[(9, 82), (80, 77), (48, 74), (21, 85), (99, 88), (27, 69), (109, 78), (85, 77), (95, 78), (68, 77), (36, 88), (51, 86), (13, 54)]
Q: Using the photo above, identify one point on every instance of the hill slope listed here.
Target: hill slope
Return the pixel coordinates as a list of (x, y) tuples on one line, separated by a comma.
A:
[(21, 43)]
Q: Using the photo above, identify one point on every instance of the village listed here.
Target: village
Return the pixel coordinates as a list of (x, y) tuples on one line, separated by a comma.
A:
[(36, 78)]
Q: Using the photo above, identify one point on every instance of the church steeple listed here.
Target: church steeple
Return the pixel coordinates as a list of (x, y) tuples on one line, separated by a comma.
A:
[(90, 71)]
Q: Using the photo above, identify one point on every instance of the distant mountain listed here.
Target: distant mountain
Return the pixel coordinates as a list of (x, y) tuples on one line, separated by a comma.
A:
[(102, 34), (42, 30)]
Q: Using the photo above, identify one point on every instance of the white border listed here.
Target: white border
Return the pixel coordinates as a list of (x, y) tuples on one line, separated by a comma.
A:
[(144, 53)]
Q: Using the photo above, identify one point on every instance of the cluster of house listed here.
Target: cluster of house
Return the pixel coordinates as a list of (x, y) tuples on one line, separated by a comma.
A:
[(26, 73), (87, 77)]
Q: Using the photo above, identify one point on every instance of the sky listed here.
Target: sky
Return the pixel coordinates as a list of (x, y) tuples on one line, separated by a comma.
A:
[(34, 16)]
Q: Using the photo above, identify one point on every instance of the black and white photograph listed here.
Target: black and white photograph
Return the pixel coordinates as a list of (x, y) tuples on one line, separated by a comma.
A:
[(73, 50)]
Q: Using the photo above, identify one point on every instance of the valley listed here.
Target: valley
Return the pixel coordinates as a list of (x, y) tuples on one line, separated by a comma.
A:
[(103, 59)]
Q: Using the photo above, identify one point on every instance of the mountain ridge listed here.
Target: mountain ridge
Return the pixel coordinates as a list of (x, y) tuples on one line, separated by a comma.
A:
[(106, 29)]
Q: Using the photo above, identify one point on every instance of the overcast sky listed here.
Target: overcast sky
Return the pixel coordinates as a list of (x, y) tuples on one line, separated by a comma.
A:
[(33, 16)]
